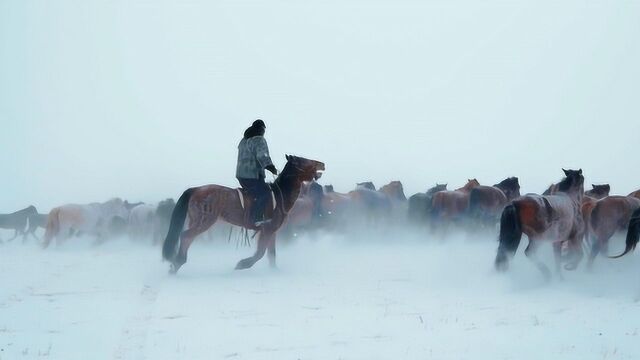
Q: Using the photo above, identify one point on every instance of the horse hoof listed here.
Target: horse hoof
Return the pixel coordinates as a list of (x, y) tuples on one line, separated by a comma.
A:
[(173, 269), (243, 264)]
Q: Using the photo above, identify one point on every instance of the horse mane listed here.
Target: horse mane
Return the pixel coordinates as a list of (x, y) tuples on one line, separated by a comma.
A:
[(568, 184)]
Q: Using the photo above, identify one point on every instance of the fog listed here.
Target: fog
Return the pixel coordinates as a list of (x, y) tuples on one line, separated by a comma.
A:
[(144, 99)]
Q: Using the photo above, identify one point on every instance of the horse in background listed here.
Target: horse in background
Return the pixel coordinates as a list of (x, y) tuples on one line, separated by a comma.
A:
[(451, 206), (204, 205), (487, 202), (633, 234), (17, 221), (610, 215), (306, 213), (98, 219), (598, 191), (140, 222), (635, 194), (370, 205), (552, 218), (419, 209), (337, 208), (162, 219), (589, 201), (36, 221)]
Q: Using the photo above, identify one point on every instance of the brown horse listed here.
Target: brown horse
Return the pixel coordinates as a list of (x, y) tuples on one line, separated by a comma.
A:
[(589, 201), (610, 214), (92, 219), (337, 208), (448, 206), (205, 204), (554, 218), (633, 234), (487, 202)]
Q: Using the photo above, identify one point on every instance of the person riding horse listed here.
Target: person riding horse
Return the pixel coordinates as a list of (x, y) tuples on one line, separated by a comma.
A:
[(253, 159)]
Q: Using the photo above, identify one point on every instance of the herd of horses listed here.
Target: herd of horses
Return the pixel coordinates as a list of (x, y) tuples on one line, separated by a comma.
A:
[(564, 215)]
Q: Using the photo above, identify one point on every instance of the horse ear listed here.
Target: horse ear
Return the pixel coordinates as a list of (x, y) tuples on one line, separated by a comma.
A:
[(579, 171), (566, 173), (287, 157)]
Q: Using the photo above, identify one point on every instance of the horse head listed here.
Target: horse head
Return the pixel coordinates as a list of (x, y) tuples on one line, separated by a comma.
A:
[(366, 185), (302, 169), (573, 183), (437, 188), (598, 191), (510, 187), (471, 183)]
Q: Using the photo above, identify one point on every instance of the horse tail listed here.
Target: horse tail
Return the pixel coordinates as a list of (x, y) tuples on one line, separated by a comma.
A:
[(633, 234), (53, 225), (510, 235), (177, 223)]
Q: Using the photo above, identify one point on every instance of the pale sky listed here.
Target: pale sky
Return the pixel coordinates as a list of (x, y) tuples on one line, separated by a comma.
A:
[(142, 99)]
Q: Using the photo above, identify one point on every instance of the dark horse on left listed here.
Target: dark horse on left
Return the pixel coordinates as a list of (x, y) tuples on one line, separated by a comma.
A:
[(17, 221), (553, 218), (205, 204)]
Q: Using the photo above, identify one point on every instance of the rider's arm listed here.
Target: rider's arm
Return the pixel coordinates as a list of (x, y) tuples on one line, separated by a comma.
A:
[(262, 152)]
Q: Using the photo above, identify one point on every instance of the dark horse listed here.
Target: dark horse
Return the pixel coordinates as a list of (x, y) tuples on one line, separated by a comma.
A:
[(487, 202), (450, 206), (36, 221), (420, 205), (17, 221), (554, 218), (205, 204)]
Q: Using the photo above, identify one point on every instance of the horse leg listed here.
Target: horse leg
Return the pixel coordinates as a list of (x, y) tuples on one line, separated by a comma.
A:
[(186, 238), (575, 246), (271, 252), (15, 235), (595, 249), (263, 242), (530, 252), (557, 255)]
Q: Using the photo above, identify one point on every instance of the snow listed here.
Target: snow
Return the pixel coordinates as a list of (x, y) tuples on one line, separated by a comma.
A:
[(332, 297)]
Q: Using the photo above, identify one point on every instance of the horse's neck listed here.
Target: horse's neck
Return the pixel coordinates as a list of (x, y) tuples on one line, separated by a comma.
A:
[(289, 187)]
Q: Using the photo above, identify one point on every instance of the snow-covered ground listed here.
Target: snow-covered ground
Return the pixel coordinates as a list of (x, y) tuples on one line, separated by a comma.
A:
[(330, 298)]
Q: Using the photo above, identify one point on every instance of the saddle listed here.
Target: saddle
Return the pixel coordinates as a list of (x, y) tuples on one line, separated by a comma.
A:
[(247, 201)]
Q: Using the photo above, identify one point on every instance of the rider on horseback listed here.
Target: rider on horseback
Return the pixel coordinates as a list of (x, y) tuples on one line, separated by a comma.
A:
[(253, 159)]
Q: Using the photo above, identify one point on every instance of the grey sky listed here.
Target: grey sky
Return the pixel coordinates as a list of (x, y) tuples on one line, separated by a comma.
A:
[(141, 99)]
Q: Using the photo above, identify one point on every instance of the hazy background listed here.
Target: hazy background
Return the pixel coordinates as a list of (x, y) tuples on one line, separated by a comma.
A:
[(141, 99)]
